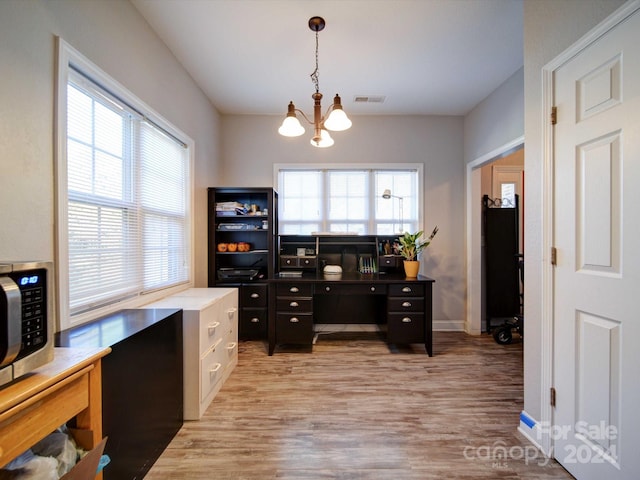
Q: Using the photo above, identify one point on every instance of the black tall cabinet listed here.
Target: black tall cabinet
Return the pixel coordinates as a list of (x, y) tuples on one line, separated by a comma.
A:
[(501, 260), (242, 237)]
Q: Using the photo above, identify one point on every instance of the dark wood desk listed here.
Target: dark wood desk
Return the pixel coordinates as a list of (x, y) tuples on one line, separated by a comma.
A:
[(142, 394), (403, 304)]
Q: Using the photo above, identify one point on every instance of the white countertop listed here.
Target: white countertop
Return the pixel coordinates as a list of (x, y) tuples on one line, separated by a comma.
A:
[(192, 298)]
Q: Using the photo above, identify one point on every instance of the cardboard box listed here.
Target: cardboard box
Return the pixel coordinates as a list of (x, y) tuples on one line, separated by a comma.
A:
[(87, 468)]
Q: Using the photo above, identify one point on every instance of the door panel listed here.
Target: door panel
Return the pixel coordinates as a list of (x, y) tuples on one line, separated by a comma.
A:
[(599, 205), (597, 276)]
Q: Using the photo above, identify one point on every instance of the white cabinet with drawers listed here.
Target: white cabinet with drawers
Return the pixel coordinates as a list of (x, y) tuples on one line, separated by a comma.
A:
[(210, 342)]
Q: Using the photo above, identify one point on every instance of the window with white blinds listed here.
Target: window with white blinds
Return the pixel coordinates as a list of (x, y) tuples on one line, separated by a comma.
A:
[(348, 199), (127, 200)]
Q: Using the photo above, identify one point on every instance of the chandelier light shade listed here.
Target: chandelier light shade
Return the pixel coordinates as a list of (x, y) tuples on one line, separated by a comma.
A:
[(291, 126), (335, 119)]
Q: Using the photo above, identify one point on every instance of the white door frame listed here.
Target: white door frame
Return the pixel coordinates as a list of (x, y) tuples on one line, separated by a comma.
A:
[(546, 333), (473, 322)]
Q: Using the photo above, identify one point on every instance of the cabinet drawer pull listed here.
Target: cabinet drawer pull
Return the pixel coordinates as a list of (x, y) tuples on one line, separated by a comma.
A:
[(406, 289), (294, 289), (255, 320), (406, 304), (373, 289), (307, 262), (294, 319), (406, 320), (288, 261), (215, 369), (255, 295), (212, 327), (328, 289), (231, 312), (231, 346), (294, 304)]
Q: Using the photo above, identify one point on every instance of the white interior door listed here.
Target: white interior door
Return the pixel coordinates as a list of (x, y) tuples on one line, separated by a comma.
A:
[(596, 363)]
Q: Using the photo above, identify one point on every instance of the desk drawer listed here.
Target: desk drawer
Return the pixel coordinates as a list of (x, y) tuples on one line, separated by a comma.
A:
[(254, 295), (294, 289), (212, 366), (405, 304), (294, 328), (294, 304), (393, 261), (290, 261), (253, 323), (405, 328), (336, 288), (406, 290)]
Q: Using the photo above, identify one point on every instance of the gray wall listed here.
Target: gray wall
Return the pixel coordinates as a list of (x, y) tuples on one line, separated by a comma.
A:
[(115, 37), (497, 120), (251, 146)]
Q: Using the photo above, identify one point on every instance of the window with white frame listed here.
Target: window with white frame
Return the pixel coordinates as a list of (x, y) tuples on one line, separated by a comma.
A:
[(350, 199), (124, 190)]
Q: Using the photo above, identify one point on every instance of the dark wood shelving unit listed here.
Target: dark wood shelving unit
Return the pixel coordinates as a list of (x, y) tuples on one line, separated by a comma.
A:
[(254, 223)]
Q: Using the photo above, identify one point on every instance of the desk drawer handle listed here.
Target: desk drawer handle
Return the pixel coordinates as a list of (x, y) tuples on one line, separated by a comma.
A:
[(294, 304), (215, 369), (212, 328), (231, 312), (294, 320), (231, 346), (294, 289), (328, 289), (255, 295), (255, 320), (406, 289), (373, 289), (406, 304), (406, 320)]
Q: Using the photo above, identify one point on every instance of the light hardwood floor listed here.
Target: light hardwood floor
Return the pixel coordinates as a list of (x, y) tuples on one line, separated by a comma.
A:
[(356, 408)]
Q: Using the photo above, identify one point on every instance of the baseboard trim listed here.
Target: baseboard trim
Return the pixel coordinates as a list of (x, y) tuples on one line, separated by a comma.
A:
[(530, 429), (448, 326)]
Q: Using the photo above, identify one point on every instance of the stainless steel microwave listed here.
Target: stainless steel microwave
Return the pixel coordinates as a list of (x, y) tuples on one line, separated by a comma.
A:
[(26, 318)]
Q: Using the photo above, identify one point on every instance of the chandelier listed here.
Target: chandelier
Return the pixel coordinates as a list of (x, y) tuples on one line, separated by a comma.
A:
[(334, 119)]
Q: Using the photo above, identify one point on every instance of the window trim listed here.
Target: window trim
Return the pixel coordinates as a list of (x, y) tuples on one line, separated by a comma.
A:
[(419, 167), (68, 56)]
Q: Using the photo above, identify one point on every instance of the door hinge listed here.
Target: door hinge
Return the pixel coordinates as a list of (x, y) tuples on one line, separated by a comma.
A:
[(554, 115), (554, 256), (553, 396)]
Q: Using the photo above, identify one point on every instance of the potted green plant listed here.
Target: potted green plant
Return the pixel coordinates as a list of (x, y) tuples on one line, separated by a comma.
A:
[(410, 248)]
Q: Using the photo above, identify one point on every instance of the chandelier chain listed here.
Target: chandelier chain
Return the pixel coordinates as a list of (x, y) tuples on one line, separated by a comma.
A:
[(316, 73)]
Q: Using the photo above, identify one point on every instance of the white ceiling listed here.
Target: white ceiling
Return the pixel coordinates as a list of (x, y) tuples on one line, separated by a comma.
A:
[(427, 57)]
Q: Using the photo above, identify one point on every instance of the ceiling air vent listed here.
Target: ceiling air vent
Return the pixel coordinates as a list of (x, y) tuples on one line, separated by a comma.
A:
[(369, 98)]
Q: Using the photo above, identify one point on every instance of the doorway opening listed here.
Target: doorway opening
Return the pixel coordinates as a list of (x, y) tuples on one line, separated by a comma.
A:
[(481, 178)]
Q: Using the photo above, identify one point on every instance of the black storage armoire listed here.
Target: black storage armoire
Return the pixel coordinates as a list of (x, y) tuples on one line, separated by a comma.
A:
[(501, 261)]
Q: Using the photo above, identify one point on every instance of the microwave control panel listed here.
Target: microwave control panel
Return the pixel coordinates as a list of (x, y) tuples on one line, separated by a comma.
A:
[(33, 290)]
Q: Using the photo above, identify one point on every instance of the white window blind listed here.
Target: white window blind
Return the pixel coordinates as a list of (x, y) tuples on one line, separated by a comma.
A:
[(128, 200), (348, 200)]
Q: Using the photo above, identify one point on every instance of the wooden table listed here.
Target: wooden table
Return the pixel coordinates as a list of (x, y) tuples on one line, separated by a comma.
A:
[(43, 400)]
